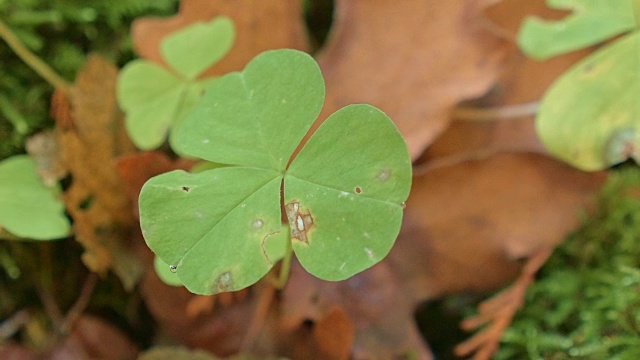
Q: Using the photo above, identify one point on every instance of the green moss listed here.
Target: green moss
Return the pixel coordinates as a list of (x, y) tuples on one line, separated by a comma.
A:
[(62, 33), (586, 301)]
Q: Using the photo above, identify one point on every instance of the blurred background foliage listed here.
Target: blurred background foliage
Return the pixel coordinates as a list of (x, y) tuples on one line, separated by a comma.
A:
[(585, 304), (62, 33)]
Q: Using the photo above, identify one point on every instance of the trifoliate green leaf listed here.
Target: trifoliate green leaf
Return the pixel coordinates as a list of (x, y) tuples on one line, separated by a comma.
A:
[(155, 99), (591, 22), (343, 194), (590, 117), (28, 208)]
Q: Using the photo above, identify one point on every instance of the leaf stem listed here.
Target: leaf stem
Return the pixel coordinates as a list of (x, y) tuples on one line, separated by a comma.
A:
[(285, 268), (44, 285), (32, 60)]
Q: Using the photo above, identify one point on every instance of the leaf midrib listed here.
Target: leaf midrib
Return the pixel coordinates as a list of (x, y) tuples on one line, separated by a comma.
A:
[(227, 214)]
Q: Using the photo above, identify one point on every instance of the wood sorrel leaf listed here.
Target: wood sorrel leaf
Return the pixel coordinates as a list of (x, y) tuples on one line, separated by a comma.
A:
[(590, 116), (221, 228), (344, 193), (28, 208), (256, 117), (196, 47), (157, 100), (592, 21), (214, 225)]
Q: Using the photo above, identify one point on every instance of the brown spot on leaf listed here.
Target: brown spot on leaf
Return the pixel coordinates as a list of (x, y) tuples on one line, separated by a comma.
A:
[(186, 188), (358, 190), (300, 222)]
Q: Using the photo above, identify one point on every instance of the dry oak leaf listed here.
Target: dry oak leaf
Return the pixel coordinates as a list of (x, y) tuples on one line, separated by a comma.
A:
[(413, 59), (466, 224), (260, 25), (503, 121), (375, 301), (88, 146)]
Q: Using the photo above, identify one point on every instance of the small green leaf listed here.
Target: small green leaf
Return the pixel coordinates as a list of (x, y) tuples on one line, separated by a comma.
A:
[(151, 97), (351, 179), (592, 21), (28, 208), (222, 228), (590, 117), (196, 47), (259, 115), (211, 223), (157, 100)]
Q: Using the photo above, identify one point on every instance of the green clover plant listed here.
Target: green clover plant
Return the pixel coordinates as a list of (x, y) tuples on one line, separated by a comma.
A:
[(28, 208), (156, 99), (590, 116), (342, 195), (591, 22)]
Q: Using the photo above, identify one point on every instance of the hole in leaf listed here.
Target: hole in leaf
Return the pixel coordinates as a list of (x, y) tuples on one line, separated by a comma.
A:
[(300, 222), (257, 224), (173, 268)]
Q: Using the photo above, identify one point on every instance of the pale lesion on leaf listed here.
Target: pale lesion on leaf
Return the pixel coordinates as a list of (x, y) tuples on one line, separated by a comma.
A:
[(223, 283), (300, 222)]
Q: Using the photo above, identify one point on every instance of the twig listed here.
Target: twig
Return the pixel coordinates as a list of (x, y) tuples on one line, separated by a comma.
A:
[(455, 159), (31, 59), (496, 113), (498, 30), (80, 305), (11, 325), (499, 311)]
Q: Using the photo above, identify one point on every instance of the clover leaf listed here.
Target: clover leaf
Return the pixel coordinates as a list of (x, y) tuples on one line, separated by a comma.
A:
[(590, 117), (155, 99), (592, 21), (342, 195), (29, 208)]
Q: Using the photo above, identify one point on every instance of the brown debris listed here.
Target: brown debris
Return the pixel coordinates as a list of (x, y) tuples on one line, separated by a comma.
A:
[(95, 199), (255, 23), (413, 59)]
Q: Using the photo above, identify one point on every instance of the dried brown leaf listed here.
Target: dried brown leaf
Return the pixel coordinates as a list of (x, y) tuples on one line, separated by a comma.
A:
[(467, 223), (44, 149), (95, 199), (260, 25), (413, 59)]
